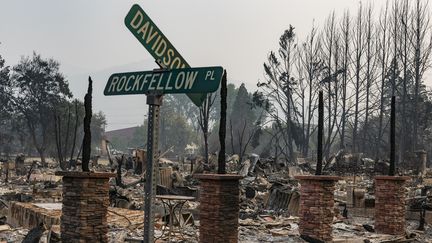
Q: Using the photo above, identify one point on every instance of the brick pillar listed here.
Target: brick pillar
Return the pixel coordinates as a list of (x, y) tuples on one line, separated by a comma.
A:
[(219, 207), (316, 206), (84, 207), (390, 204)]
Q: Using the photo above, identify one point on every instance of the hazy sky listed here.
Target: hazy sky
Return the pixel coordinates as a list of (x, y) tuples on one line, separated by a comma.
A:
[(90, 38)]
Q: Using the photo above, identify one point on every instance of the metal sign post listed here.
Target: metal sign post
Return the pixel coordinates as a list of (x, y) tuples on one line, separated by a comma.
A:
[(154, 101), (175, 76)]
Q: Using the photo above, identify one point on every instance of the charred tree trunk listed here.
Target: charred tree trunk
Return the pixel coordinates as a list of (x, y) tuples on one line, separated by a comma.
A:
[(222, 125), (392, 168), (87, 132), (58, 140), (320, 133)]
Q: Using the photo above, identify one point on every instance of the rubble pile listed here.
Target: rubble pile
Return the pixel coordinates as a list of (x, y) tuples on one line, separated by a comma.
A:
[(269, 200)]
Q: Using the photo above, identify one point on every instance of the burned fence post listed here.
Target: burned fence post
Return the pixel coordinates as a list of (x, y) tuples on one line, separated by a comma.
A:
[(390, 191)]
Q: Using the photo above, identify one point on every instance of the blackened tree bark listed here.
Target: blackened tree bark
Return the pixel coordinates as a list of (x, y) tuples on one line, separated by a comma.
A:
[(392, 168), (87, 132), (222, 125), (320, 133)]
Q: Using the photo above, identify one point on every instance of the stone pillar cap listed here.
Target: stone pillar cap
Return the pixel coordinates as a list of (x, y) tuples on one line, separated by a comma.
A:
[(218, 176), (392, 178), (80, 174), (318, 177)]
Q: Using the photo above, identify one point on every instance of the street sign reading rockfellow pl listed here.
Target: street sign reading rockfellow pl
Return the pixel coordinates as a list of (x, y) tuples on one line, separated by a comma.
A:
[(146, 31), (187, 80)]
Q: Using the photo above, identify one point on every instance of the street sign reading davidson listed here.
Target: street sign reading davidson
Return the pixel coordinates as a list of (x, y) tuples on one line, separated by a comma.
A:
[(187, 80), (149, 35)]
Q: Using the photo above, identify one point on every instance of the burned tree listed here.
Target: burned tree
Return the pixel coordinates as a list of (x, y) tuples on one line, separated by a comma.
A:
[(36, 87), (87, 131), (278, 89), (320, 133), (392, 169), (204, 120), (222, 125)]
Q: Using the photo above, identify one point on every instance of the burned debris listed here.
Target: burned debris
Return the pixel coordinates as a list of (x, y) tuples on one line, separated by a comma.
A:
[(333, 146)]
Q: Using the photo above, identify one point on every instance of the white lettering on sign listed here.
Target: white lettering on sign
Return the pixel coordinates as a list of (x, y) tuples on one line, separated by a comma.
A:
[(161, 48), (121, 83), (159, 86), (153, 80), (113, 84), (136, 83), (138, 16), (176, 63), (128, 87), (179, 80), (142, 82), (167, 87), (209, 75), (147, 32), (145, 80), (190, 79), (167, 58)]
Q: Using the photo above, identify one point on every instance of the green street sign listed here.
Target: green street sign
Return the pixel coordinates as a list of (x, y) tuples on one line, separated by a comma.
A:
[(146, 31), (187, 80)]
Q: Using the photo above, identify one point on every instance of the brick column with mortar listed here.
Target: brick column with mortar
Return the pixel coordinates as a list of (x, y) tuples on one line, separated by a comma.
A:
[(84, 207), (219, 207), (390, 204), (316, 206)]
